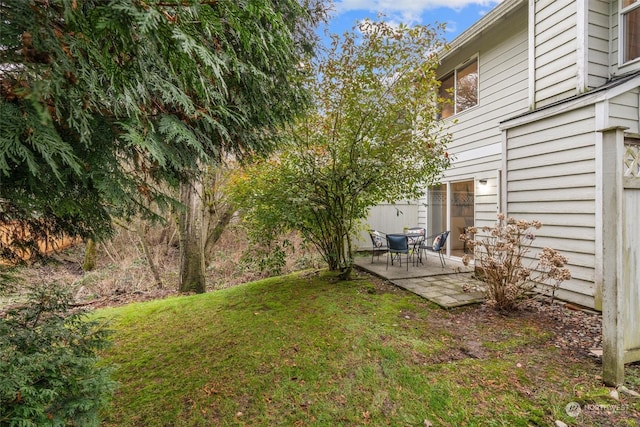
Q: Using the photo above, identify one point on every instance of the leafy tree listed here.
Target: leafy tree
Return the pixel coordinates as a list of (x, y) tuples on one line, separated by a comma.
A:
[(105, 103), (372, 137)]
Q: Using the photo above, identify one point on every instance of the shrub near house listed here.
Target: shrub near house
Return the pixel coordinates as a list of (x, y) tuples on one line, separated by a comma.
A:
[(501, 257)]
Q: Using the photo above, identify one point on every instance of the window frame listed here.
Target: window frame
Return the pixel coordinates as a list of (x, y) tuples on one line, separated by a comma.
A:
[(454, 75), (622, 36)]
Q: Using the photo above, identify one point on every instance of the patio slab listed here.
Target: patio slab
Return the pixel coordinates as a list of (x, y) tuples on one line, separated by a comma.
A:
[(443, 286)]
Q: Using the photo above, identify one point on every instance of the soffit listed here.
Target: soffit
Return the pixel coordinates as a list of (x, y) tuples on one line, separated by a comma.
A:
[(491, 19)]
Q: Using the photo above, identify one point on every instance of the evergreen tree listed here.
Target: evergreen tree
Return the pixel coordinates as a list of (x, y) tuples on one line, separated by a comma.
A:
[(103, 103)]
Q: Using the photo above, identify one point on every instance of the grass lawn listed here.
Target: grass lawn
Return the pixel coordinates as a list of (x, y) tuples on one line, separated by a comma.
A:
[(305, 350)]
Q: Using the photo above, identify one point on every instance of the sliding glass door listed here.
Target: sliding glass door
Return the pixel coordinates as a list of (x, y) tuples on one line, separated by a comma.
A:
[(437, 210), (462, 201), (451, 207)]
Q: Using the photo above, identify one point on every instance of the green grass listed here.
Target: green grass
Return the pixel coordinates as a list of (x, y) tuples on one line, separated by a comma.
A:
[(311, 351)]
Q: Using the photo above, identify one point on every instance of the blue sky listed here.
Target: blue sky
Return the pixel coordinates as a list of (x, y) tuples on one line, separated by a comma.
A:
[(458, 15)]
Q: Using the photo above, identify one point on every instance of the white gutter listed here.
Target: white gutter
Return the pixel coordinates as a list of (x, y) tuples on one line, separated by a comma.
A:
[(486, 22), (606, 93)]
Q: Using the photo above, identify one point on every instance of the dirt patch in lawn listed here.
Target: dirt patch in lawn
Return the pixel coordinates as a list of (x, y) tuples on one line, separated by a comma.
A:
[(550, 338)]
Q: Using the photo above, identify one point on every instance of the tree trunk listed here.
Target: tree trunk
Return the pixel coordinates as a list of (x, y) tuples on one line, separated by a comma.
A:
[(217, 211), (206, 214), (190, 223), (142, 231), (216, 231), (347, 259), (89, 256)]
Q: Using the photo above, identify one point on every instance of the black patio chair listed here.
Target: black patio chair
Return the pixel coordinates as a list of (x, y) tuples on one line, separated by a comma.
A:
[(438, 245), (398, 244), (379, 243)]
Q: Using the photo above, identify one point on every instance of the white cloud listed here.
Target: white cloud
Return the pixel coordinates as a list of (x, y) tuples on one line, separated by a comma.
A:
[(407, 6), (411, 12), (452, 26)]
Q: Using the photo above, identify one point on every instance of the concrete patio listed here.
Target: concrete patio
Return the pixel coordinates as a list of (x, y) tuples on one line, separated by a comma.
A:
[(443, 286)]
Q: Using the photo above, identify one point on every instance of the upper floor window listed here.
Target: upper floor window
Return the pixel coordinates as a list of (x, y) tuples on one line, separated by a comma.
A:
[(460, 89), (630, 14)]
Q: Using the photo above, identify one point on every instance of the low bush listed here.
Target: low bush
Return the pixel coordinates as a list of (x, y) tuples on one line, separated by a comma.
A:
[(49, 372), (500, 258)]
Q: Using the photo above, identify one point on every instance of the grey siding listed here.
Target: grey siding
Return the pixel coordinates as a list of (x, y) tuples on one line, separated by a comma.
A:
[(624, 110), (503, 73), (555, 50), (598, 43), (549, 160), (550, 167), (614, 24)]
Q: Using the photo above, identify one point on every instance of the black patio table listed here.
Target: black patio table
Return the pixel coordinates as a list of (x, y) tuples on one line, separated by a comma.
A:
[(415, 236)]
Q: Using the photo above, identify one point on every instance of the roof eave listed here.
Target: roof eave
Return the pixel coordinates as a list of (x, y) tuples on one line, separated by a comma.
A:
[(487, 21)]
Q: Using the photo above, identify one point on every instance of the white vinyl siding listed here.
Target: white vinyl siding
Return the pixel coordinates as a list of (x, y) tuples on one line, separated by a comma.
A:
[(555, 50), (549, 159), (550, 167), (613, 57), (503, 71), (503, 86), (625, 111), (487, 200), (598, 43)]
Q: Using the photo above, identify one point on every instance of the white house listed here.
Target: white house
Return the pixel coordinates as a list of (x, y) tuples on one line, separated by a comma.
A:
[(546, 125), (545, 121)]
